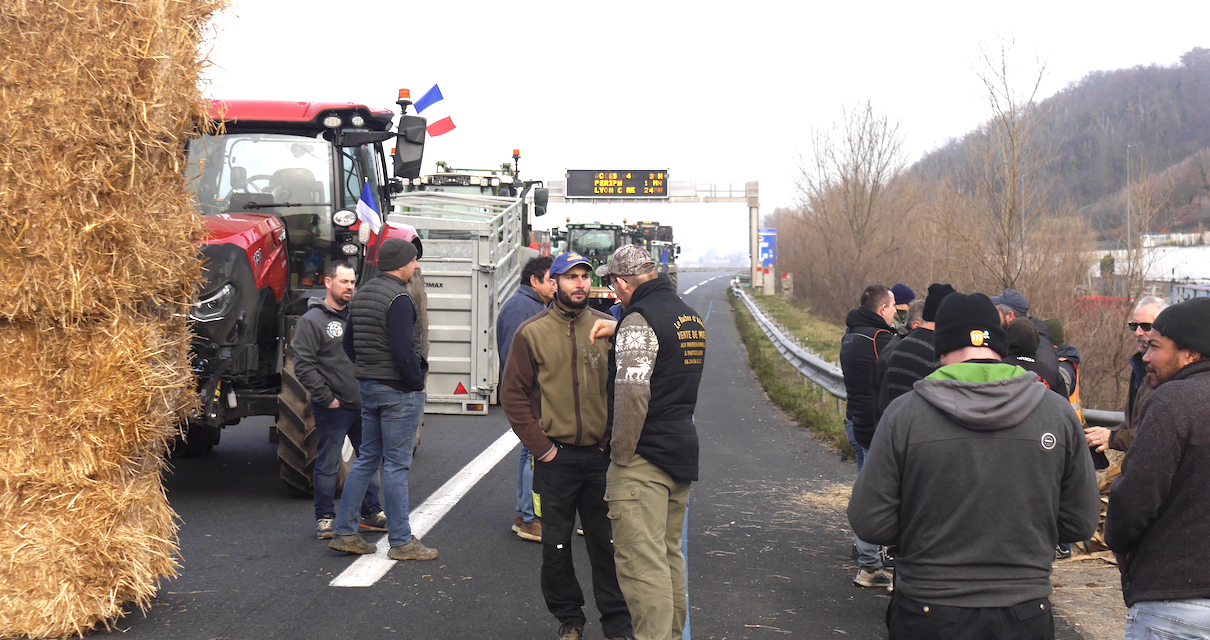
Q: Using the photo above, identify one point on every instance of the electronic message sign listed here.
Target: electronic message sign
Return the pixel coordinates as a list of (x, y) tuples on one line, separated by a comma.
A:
[(617, 183)]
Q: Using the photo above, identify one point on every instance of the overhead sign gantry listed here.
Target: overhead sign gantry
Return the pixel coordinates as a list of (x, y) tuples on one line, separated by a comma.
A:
[(617, 183)]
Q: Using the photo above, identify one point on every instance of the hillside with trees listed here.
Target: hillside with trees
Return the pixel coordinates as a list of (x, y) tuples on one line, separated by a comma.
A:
[(1161, 112)]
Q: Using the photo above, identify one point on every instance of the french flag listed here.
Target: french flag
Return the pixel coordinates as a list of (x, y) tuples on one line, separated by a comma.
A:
[(433, 98), (366, 209)]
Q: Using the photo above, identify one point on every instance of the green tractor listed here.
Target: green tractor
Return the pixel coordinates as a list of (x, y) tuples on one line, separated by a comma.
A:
[(657, 240)]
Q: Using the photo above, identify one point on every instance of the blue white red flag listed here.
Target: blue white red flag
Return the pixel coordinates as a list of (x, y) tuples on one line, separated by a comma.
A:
[(439, 122), (366, 209)]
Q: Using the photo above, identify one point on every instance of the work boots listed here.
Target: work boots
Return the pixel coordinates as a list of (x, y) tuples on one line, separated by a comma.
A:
[(352, 544), (414, 550)]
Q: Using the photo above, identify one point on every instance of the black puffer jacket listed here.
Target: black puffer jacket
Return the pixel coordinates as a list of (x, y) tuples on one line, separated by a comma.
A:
[(867, 335)]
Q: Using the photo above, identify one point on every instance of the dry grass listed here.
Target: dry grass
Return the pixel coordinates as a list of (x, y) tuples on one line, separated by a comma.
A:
[(98, 261)]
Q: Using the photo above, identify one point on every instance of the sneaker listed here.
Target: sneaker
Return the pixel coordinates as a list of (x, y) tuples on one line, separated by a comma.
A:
[(376, 522), (414, 550), (571, 630), (1062, 554), (877, 579), (517, 522), (325, 528), (352, 544), (531, 531)]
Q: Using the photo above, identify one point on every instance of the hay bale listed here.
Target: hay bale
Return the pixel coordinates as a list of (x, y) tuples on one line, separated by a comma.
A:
[(98, 262)]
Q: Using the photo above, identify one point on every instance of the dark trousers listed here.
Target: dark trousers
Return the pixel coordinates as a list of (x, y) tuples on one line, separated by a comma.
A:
[(575, 481), (331, 427), (908, 619)]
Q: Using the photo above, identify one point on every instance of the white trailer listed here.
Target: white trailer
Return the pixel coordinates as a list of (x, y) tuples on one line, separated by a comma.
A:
[(473, 255)]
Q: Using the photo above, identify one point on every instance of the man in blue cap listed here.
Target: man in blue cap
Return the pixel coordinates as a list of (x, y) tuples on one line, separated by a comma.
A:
[(554, 393), (1012, 305)]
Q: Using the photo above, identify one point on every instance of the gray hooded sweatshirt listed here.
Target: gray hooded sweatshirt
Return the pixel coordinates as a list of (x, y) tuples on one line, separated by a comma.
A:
[(976, 474), (320, 362)]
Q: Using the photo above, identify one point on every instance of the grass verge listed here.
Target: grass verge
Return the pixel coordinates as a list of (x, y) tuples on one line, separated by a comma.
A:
[(821, 336), (784, 385)]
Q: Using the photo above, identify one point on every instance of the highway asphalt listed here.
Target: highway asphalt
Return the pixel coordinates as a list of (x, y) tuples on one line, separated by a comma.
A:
[(768, 542)]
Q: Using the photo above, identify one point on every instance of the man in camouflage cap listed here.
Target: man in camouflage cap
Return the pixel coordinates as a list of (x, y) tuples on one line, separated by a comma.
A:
[(659, 350)]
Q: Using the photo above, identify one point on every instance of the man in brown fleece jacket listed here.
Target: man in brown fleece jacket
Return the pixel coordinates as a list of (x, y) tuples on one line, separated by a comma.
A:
[(554, 393)]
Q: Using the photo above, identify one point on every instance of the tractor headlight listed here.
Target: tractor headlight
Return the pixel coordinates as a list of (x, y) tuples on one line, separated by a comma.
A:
[(349, 249), (215, 306), (344, 218), (332, 121), (357, 121)]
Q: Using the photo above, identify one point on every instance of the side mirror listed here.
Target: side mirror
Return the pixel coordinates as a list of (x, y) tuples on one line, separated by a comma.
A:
[(238, 178), (541, 199), (395, 185), (409, 146)]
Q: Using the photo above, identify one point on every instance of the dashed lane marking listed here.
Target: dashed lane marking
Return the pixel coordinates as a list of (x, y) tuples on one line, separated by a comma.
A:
[(690, 289), (370, 568)]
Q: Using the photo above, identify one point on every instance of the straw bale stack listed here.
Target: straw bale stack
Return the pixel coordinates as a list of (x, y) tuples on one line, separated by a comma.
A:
[(98, 263)]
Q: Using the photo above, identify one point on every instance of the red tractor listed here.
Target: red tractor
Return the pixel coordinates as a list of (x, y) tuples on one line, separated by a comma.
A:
[(278, 189)]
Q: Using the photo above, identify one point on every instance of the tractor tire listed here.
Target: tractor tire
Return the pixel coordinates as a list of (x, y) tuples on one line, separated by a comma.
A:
[(197, 439), (672, 279), (297, 441), (296, 437)]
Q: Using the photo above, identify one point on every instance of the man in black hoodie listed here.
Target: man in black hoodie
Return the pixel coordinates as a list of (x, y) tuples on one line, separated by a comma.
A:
[(324, 369), (1159, 508), (868, 334), (975, 551)]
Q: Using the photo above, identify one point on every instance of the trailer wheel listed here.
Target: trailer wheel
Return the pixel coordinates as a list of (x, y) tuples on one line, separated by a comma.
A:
[(198, 440), (296, 438)]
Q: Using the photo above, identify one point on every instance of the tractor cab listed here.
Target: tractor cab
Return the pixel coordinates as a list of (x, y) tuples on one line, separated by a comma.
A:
[(279, 186)]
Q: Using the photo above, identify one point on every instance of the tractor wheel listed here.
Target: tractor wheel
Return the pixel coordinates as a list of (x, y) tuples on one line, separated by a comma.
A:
[(673, 280), (198, 439), (296, 437), (297, 441)]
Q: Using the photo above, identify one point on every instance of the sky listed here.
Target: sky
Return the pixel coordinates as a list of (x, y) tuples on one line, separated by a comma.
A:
[(712, 92)]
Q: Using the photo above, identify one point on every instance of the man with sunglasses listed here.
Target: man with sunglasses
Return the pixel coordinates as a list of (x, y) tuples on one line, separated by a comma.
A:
[(1120, 437)]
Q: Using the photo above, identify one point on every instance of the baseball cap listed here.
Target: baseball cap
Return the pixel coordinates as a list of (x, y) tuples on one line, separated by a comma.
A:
[(627, 260), (567, 260), (1014, 300)]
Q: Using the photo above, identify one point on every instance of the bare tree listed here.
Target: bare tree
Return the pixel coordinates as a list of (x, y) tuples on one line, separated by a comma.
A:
[(851, 198)]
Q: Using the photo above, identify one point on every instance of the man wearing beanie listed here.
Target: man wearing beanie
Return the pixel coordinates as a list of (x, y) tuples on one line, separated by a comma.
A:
[(1159, 509), (904, 296), (383, 339), (914, 357), (975, 550)]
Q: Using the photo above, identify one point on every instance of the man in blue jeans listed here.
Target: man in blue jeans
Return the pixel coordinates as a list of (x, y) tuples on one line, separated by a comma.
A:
[(536, 291), (323, 368), (383, 340)]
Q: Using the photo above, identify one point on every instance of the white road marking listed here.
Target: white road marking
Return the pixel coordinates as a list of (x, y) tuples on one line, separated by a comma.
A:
[(690, 289), (370, 568)]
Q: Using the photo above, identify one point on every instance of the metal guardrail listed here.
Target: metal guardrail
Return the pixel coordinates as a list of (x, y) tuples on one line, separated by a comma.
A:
[(828, 377)]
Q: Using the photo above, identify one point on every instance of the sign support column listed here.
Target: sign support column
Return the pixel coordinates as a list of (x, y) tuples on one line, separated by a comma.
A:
[(753, 198)]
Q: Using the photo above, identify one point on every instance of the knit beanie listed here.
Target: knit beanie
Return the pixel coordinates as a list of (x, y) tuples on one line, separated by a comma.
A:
[(903, 294), (395, 253), (1187, 324), (969, 321), (932, 301), (1022, 337), (1056, 330)]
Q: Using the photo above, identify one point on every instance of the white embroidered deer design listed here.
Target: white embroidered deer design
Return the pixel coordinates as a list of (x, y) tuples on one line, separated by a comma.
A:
[(640, 371)]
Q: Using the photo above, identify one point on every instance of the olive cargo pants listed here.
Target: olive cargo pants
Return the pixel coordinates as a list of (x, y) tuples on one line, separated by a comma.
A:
[(647, 509)]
